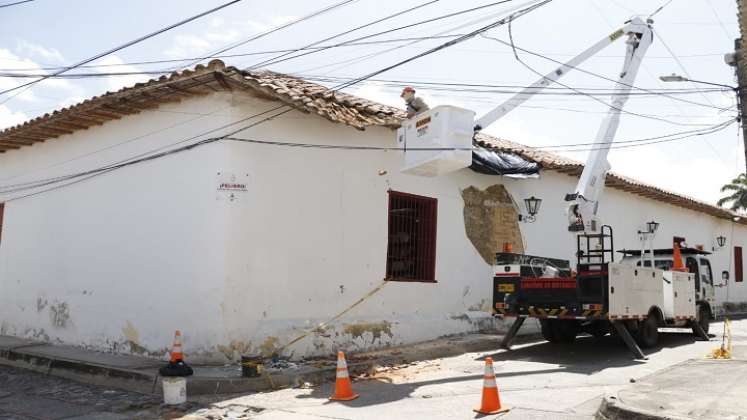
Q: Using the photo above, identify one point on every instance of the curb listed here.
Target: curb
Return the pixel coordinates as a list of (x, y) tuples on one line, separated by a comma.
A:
[(146, 380), (612, 409), (149, 382), (131, 380)]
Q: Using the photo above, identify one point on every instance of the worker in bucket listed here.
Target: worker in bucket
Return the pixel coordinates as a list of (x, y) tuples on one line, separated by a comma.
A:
[(415, 105)]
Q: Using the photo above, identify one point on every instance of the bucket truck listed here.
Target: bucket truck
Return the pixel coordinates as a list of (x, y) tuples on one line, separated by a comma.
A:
[(632, 298)]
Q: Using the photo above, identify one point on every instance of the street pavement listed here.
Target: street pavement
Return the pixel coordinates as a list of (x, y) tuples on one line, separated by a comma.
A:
[(26, 395), (537, 380)]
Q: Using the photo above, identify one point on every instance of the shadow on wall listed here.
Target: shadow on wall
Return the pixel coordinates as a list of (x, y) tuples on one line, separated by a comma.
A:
[(490, 220)]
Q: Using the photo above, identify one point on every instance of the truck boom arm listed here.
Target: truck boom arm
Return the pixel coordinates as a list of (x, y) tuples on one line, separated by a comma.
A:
[(585, 199)]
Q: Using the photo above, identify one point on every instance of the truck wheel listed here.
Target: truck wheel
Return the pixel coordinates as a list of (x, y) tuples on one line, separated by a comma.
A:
[(564, 330), (704, 319), (648, 332), (547, 330)]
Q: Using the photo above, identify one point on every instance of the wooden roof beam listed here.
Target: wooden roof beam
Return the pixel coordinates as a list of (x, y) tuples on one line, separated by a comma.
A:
[(58, 130), (19, 141), (107, 112), (69, 126), (86, 120)]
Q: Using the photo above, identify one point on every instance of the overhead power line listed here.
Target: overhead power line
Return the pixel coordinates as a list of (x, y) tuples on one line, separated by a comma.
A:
[(273, 30), (338, 45), (15, 3), (455, 87), (155, 154), (536, 54), (115, 49), (612, 145), (412, 25), (357, 28), (448, 44)]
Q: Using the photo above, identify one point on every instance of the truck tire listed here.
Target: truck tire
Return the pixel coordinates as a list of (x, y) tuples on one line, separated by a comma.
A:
[(703, 318), (547, 330), (648, 332), (564, 330)]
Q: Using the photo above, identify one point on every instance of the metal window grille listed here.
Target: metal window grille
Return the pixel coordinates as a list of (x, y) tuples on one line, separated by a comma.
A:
[(411, 248)]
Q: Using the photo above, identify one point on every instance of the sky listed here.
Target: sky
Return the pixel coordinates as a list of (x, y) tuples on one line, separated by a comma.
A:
[(692, 37)]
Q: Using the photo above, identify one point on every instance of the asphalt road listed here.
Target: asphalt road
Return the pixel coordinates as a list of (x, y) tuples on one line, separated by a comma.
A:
[(536, 380)]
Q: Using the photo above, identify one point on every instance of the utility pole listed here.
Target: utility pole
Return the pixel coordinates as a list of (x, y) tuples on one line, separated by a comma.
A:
[(739, 62)]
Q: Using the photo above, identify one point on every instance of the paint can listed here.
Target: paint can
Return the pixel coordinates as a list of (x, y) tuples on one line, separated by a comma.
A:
[(174, 390), (251, 366)]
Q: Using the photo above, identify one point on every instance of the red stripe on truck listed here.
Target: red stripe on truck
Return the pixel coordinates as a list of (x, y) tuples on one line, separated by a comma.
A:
[(548, 283)]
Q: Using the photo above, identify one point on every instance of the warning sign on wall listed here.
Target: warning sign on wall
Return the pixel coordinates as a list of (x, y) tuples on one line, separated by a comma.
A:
[(231, 185)]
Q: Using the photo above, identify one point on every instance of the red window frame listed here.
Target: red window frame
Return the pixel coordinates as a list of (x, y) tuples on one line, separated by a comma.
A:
[(411, 244), (738, 271)]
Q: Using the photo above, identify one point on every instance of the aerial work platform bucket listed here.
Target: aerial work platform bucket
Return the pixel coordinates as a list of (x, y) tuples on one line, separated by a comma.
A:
[(437, 141)]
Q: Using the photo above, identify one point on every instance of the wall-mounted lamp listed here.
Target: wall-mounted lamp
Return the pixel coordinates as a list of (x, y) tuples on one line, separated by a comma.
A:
[(651, 228), (720, 242), (533, 206)]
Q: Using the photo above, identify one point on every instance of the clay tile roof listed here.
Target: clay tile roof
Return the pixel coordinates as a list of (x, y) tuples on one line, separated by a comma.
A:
[(551, 161), (302, 95)]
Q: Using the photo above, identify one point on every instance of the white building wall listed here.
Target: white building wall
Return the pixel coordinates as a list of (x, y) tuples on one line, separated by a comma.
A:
[(120, 261)]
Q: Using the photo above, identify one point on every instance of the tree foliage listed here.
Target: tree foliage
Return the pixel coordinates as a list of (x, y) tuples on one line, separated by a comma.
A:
[(737, 190)]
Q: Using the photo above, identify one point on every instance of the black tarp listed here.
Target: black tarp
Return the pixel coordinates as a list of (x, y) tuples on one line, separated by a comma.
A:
[(491, 162)]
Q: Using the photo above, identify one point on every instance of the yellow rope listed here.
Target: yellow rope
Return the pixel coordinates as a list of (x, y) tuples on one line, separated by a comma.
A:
[(335, 318), (723, 352)]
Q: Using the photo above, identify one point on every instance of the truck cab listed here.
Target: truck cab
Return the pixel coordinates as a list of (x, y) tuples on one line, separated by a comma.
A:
[(697, 262)]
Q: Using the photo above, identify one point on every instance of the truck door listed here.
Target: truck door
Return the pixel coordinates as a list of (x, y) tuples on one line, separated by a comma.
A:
[(706, 279), (692, 266)]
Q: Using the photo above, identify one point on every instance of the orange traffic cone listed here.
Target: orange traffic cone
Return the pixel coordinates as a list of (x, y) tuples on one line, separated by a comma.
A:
[(491, 402), (343, 387), (177, 366), (176, 349)]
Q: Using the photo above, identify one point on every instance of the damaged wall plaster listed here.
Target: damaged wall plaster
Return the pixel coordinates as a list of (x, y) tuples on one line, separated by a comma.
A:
[(490, 220)]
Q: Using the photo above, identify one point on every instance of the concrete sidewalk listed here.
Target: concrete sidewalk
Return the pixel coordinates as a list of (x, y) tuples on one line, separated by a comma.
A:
[(140, 374), (695, 389)]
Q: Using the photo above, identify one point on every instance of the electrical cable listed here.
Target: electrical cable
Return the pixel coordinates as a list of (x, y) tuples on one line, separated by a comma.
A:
[(729, 37), (15, 3), (272, 30), (126, 141), (687, 74), (672, 56), (470, 87), (150, 155), (514, 46), (357, 28), (619, 144), (516, 55), (28, 85), (656, 12), (344, 44), (141, 155), (247, 54), (361, 58), (491, 88), (448, 44), (423, 22)]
